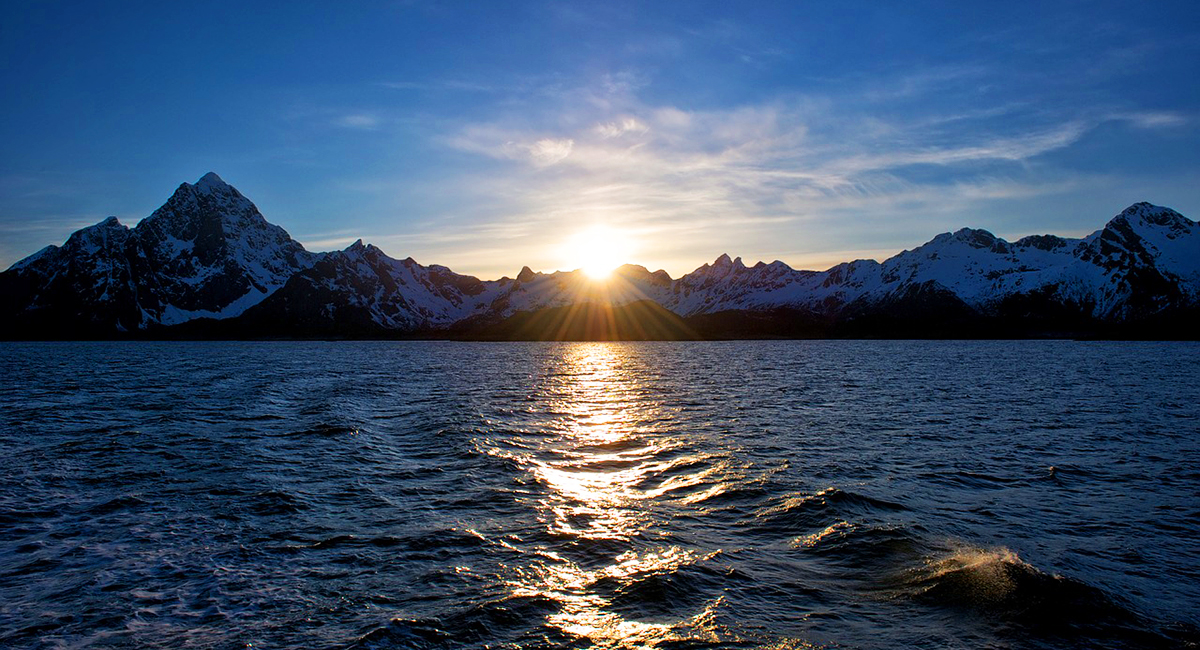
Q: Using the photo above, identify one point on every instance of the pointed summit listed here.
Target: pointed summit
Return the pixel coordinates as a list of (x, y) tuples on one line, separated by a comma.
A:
[(525, 275), (210, 183), (211, 198), (214, 254)]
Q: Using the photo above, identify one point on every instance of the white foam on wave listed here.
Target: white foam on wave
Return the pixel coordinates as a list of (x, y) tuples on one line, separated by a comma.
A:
[(982, 574)]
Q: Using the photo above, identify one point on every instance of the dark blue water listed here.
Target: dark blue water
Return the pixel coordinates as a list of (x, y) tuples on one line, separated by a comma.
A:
[(665, 495)]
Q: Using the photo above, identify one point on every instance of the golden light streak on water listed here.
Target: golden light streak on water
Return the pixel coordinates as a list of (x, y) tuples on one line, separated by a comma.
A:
[(595, 471)]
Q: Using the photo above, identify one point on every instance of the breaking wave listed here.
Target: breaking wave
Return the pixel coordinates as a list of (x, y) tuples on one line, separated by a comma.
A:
[(668, 496)]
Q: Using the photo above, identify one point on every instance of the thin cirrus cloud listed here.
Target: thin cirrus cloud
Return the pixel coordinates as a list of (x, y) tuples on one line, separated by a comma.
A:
[(1153, 119), (544, 152), (750, 178), (620, 127), (798, 177), (482, 138), (365, 121)]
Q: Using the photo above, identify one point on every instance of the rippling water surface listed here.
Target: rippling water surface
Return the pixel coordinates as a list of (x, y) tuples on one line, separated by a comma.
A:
[(665, 495)]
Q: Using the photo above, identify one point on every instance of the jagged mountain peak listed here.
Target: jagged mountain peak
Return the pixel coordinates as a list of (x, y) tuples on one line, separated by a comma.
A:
[(722, 265), (369, 252), (210, 182), (208, 253), (98, 233), (209, 201), (1144, 230), (210, 185), (215, 190)]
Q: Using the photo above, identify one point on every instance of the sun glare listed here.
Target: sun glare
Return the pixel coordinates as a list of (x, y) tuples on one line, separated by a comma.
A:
[(597, 251)]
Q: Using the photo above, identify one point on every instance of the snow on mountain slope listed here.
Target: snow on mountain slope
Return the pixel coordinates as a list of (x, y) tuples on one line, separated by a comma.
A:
[(207, 252), (982, 269), (1146, 254), (212, 254), (1169, 239), (729, 284), (363, 286), (86, 279), (1138, 255), (1151, 255)]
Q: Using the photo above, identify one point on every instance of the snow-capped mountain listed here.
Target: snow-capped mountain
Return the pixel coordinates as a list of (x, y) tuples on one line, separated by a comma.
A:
[(209, 256), (361, 289), (207, 252), (1145, 260)]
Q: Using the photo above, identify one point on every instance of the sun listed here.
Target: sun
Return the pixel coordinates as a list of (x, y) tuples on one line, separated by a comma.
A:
[(597, 251)]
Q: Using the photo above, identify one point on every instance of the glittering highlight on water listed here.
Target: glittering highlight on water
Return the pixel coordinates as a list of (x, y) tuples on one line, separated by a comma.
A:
[(617, 495)]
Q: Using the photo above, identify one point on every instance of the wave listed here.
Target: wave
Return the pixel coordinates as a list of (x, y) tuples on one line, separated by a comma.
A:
[(796, 513), (1022, 600), (989, 585)]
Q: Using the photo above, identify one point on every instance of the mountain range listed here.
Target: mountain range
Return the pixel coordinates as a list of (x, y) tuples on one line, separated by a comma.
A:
[(207, 264)]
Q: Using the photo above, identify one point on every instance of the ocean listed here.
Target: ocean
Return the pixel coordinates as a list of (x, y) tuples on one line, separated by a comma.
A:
[(754, 494)]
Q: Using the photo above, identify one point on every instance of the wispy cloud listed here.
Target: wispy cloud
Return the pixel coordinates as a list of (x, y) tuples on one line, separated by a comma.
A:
[(365, 121), (882, 155), (743, 177), (616, 129), (779, 130), (1152, 119), (548, 151), (460, 85)]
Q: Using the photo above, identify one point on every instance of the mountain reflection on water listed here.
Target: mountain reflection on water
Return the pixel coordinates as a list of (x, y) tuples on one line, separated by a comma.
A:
[(611, 495)]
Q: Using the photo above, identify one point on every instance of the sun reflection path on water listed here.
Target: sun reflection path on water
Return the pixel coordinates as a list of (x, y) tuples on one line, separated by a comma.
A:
[(611, 442)]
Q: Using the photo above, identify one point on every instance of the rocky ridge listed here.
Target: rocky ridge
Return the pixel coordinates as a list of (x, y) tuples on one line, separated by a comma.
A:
[(207, 262)]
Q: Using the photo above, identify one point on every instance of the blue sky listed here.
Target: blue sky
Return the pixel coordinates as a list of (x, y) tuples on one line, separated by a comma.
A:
[(483, 135)]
